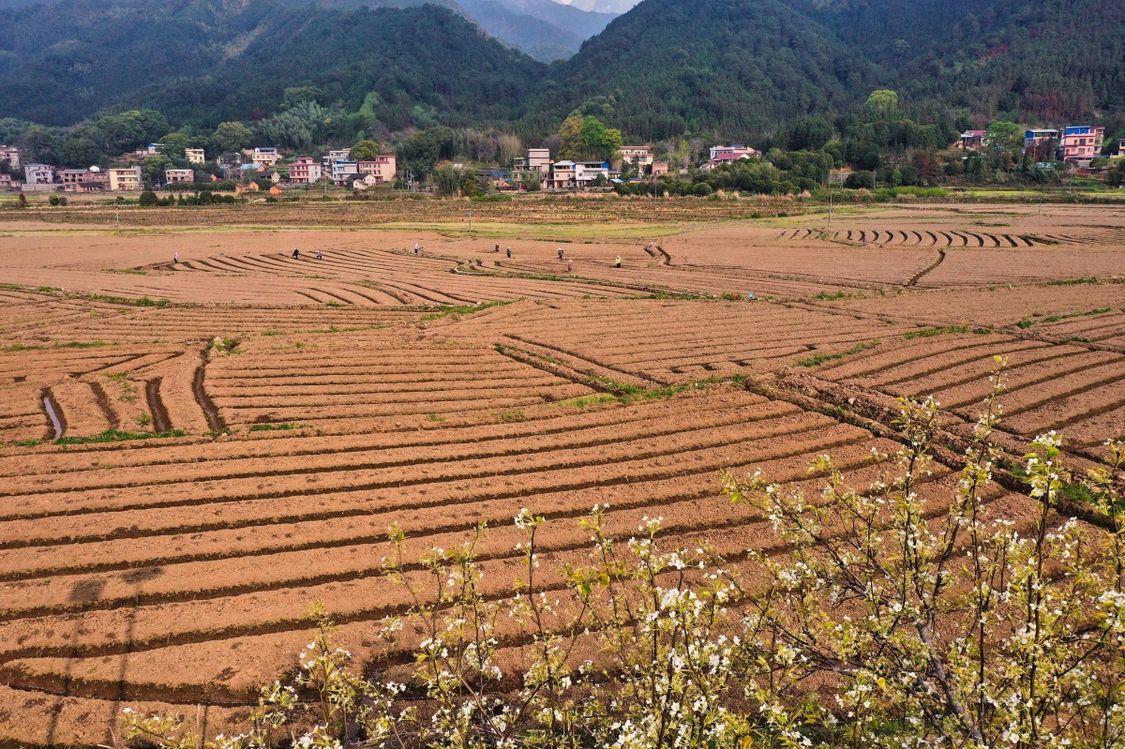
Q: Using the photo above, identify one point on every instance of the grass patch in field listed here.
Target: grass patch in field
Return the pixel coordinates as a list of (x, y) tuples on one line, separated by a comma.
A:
[(818, 359), (333, 304), (81, 344), (125, 271), (1027, 322), (225, 344), (286, 426), (626, 393), (1074, 281), (824, 296), (116, 435), (449, 310), (584, 400), (128, 301), (435, 418), (272, 332), (512, 417), (945, 330), (27, 443)]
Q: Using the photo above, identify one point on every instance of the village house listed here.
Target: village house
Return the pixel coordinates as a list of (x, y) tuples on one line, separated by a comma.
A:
[(971, 140), (305, 171), (265, 156), (178, 176), (84, 180), (577, 175), (7, 183), (562, 176), (738, 151), (1081, 144), (382, 168), (539, 161), (11, 154), (37, 175), (342, 171), (721, 155), (125, 178), (639, 156), (194, 155), (660, 169), (150, 150), (338, 154)]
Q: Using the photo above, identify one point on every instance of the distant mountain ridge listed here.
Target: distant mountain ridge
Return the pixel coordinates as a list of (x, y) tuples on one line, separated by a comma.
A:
[(723, 68)]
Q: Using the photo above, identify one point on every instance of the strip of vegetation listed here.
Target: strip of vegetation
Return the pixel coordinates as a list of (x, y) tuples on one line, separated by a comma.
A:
[(818, 359), (1074, 281), (585, 400), (946, 329), (128, 301), (282, 427), (449, 310), (116, 435), (1027, 322)]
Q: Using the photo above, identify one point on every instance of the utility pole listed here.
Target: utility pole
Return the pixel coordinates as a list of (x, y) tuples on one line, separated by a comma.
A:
[(470, 220)]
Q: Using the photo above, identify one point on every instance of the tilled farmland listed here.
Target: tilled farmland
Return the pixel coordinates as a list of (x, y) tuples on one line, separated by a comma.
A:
[(193, 451)]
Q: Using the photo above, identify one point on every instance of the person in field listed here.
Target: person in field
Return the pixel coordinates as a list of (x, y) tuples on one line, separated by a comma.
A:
[(509, 252), (319, 255), (561, 253), (570, 265), (296, 253), (176, 258), (617, 262), (497, 250)]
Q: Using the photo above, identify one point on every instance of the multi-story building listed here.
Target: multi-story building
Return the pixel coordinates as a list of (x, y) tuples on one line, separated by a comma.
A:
[(1081, 143), (125, 178), (342, 170), (640, 156), (382, 167), (539, 161), (84, 180), (178, 176), (305, 170), (660, 168), (194, 155), (6, 182), (38, 174), (562, 176), (11, 154), (265, 156), (339, 154)]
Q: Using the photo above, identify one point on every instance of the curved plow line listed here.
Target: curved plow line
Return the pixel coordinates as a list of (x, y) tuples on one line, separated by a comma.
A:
[(538, 471)]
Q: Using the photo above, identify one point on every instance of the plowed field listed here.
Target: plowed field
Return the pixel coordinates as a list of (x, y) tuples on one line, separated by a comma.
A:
[(192, 452)]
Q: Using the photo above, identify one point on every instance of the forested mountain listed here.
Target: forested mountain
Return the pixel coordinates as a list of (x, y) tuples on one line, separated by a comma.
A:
[(403, 67), (741, 69), (62, 60), (735, 66), (1046, 59)]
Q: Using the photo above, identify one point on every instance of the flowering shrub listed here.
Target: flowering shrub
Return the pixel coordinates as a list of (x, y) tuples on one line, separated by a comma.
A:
[(887, 621)]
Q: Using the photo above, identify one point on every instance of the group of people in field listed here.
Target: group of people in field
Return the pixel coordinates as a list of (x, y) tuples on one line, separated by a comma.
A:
[(296, 255), (561, 253)]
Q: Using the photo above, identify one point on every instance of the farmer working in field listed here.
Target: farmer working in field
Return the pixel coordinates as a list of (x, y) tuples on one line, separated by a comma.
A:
[(417, 248), (296, 253), (561, 253), (509, 252), (617, 262)]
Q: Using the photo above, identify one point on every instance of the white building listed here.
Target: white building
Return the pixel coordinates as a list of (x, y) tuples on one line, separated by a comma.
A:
[(341, 170), (737, 151), (178, 176), (38, 174), (194, 155)]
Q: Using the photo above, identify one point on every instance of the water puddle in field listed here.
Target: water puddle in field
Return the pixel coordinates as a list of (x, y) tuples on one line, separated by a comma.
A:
[(53, 415)]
